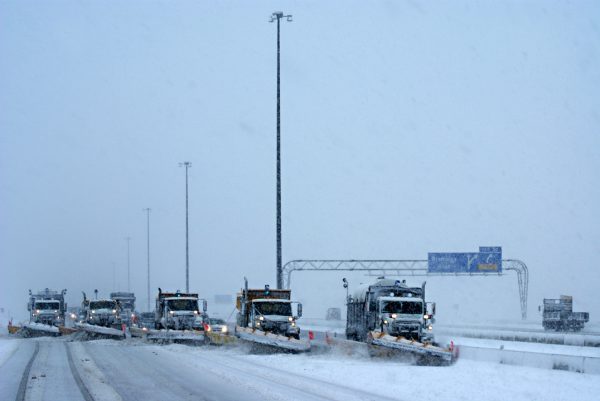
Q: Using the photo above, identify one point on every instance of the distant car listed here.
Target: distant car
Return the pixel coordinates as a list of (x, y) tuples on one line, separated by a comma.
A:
[(146, 320), (218, 325)]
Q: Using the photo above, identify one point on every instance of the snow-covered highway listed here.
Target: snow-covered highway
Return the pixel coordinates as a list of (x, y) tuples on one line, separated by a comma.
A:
[(134, 370)]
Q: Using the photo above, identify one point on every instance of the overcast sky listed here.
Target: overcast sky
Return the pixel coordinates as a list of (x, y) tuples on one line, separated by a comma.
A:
[(408, 127)]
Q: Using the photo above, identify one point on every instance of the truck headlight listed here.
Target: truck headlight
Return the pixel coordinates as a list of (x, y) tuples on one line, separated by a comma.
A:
[(257, 324), (171, 313), (224, 329), (93, 311), (393, 316), (430, 327), (114, 311), (291, 319), (425, 316), (261, 318), (37, 311), (293, 324)]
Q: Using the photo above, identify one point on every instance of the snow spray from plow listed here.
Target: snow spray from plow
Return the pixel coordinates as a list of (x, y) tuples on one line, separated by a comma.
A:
[(177, 336), (426, 353)]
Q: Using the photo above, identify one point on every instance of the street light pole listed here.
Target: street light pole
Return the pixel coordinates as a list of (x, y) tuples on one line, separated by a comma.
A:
[(187, 248), (277, 16), (128, 266), (147, 210)]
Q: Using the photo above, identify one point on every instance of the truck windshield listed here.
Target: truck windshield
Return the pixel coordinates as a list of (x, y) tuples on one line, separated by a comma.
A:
[(102, 305), (127, 305), (46, 305), (274, 308), (183, 304), (403, 307)]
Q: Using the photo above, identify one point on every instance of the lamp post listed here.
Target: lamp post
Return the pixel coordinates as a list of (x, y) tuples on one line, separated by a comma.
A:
[(277, 16), (128, 239), (187, 248), (147, 210)]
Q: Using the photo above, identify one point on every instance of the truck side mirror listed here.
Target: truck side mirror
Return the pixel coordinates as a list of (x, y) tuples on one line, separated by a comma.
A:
[(299, 310), (430, 306), (204, 305)]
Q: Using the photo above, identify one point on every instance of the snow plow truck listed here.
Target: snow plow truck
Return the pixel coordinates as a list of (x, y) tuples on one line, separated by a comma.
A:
[(46, 313), (389, 315), (126, 302), (265, 317), (101, 318), (178, 318)]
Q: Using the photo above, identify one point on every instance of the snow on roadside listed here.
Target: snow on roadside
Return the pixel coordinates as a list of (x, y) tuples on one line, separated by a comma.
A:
[(466, 380), (7, 347), (95, 381), (558, 349)]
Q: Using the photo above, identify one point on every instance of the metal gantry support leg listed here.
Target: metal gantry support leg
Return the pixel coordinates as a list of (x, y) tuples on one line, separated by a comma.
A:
[(403, 268), (523, 279)]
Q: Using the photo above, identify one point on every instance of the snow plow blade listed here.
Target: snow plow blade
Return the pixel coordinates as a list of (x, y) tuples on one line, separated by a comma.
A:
[(98, 332), (39, 330), (65, 331), (220, 338), (274, 341), (426, 353), (13, 329), (177, 336)]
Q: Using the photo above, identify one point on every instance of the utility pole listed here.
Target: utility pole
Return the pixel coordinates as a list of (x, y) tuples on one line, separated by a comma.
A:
[(147, 210), (187, 248), (277, 16), (128, 266)]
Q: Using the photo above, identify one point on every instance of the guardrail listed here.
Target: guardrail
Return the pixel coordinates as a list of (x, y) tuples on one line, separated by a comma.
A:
[(581, 364)]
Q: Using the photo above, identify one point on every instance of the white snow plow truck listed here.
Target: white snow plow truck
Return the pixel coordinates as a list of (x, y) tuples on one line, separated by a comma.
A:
[(102, 318), (178, 318), (265, 317), (46, 313), (389, 315), (126, 301)]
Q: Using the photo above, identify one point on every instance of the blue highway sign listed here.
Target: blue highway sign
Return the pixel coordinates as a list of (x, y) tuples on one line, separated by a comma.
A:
[(487, 260)]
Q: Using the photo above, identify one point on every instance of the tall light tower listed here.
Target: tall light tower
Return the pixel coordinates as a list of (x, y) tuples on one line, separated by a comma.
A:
[(128, 239), (277, 16), (147, 210), (187, 165)]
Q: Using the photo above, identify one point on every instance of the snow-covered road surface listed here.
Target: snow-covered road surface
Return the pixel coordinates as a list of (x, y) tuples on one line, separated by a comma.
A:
[(133, 370)]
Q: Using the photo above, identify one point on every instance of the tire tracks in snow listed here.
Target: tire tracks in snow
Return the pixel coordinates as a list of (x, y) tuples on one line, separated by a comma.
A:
[(25, 377), (84, 391)]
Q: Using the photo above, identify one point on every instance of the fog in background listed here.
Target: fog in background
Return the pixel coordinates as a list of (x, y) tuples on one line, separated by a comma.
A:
[(408, 127)]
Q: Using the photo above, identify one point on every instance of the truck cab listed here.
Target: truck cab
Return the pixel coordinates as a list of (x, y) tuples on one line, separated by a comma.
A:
[(179, 311), (404, 316), (47, 312), (268, 310), (392, 307), (127, 302), (103, 312), (47, 307), (275, 316)]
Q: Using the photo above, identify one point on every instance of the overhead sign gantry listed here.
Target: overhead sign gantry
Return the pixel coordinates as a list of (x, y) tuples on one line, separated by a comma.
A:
[(487, 262)]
